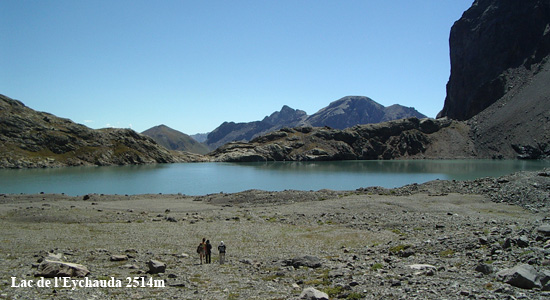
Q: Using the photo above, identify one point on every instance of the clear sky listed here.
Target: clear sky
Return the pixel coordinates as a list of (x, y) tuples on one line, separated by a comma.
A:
[(192, 65)]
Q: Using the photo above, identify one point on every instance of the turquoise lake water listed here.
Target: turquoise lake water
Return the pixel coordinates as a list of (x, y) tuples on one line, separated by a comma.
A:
[(206, 178)]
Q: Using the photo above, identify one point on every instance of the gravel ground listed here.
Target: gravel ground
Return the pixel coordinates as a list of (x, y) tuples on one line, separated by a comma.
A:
[(358, 244)]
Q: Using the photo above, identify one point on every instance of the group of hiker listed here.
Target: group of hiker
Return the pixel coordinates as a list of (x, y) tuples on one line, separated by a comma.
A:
[(205, 251)]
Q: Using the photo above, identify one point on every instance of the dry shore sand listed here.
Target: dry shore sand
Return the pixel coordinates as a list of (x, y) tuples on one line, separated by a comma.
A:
[(366, 241)]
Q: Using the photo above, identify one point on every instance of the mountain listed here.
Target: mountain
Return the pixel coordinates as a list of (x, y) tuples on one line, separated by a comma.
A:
[(340, 114), (353, 110), (31, 139), (500, 71), (200, 137), (230, 131), (175, 140)]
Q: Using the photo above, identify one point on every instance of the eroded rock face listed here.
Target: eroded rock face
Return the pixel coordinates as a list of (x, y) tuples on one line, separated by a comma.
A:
[(493, 38)]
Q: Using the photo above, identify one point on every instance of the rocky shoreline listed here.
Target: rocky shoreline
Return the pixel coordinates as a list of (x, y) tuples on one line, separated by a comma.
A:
[(481, 239)]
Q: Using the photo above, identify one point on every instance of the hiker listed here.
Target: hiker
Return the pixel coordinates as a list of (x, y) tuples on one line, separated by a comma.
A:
[(208, 252), (221, 249), (201, 249)]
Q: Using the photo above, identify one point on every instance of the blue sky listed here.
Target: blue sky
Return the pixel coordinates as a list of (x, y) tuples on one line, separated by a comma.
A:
[(192, 65)]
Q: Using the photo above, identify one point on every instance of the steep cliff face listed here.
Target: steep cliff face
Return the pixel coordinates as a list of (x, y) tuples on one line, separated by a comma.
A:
[(30, 139), (494, 48)]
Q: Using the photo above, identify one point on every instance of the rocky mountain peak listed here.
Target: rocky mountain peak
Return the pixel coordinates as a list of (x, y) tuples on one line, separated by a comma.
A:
[(286, 114), (352, 110)]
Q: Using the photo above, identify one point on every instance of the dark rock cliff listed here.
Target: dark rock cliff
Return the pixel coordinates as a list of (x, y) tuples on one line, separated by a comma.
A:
[(500, 75), (491, 40), (30, 139)]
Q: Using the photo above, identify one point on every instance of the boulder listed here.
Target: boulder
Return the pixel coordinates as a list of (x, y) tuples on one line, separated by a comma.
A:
[(119, 257), (156, 266), (544, 229), (521, 276), (50, 269), (484, 268), (545, 280), (313, 294), (522, 241), (304, 261), (422, 267)]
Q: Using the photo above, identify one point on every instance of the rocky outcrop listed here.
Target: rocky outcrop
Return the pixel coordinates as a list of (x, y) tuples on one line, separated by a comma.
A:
[(407, 138), (489, 45), (175, 140), (30, 139)]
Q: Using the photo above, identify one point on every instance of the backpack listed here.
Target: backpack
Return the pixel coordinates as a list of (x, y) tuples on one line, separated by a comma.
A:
[(199, 248), (221, 248)]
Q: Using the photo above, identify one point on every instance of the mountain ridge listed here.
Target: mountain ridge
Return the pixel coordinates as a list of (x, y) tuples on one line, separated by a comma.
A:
[(33, 139), (342, 113)]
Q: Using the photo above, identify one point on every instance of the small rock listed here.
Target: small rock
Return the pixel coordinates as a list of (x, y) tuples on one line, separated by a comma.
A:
[(406, 253), (484, 268), (313, 294), (507, 243), (129, 266), (182, 255), (422, 267), (306, 261), (522, 241), (156, 266), (119, 257), (544, 229)]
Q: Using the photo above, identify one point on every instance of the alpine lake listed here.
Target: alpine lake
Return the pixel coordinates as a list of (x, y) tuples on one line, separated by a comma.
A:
[(208, 178)]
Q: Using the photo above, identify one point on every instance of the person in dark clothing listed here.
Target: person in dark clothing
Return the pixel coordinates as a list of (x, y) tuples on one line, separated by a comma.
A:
[(208, 252), (221, 249)]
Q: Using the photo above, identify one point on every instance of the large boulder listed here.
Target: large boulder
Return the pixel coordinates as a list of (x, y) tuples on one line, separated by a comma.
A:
[(521, 276), (51, 268)]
